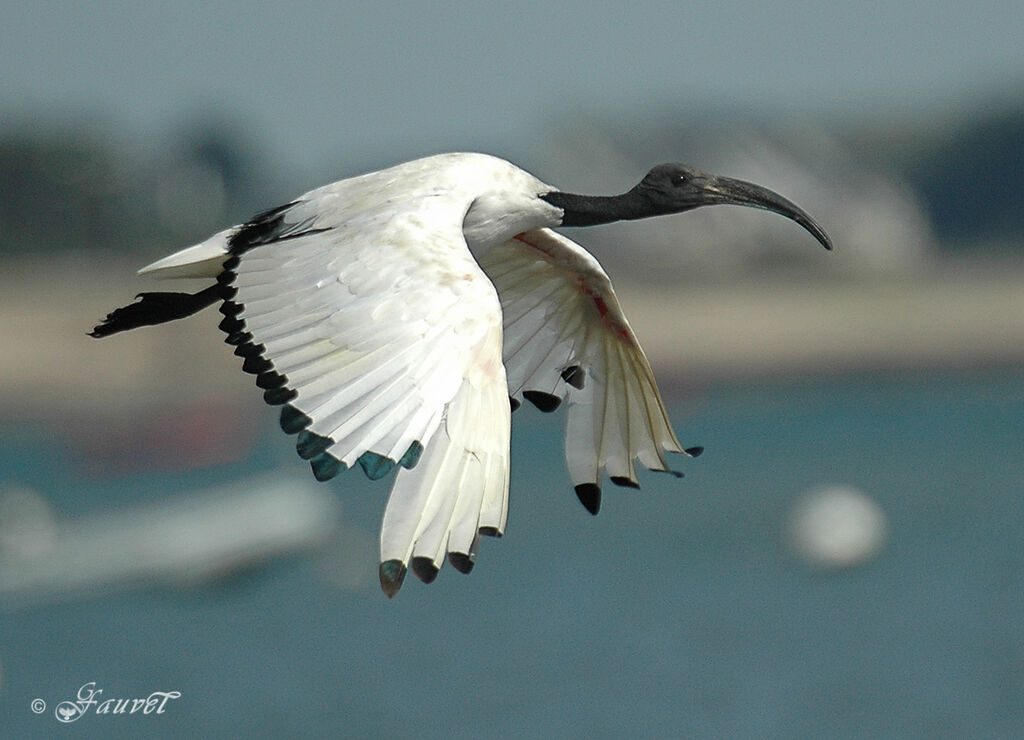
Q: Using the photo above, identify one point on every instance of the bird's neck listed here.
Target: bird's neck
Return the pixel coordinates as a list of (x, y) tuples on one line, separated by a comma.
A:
[(590, 210)]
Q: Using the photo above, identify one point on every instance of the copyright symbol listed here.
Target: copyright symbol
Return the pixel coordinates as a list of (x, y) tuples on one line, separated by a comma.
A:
[(38, 706)]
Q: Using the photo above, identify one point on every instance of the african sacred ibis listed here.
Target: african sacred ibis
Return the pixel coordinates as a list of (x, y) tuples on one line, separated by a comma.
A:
[(399, 317)]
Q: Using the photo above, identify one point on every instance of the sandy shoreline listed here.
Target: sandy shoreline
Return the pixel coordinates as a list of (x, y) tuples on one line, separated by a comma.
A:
[(951, 317)]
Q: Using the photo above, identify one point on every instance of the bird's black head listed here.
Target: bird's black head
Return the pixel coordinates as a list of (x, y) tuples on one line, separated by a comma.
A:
[(674, 188)]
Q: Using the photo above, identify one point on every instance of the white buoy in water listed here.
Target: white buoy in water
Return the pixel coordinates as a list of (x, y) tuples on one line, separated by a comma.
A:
[(837, 526)]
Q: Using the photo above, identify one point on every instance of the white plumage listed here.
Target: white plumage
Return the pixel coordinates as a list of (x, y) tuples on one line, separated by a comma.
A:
[(394, 315)]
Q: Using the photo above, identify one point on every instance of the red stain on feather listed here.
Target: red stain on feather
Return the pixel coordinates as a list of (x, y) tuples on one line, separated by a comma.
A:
[(619, 329)]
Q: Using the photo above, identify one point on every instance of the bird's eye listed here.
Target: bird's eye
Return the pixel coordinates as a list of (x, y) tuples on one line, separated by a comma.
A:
[(679, 180)]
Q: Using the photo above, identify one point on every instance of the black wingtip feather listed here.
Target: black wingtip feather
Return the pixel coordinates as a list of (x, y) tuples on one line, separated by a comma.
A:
[(256, 364), (623, 481), (391, 573), (273, 384), (574, 376), (271, 379), (278, 396), (231, 325), (694, 451), (374, 465), (424, 569), (238, 337), (326, 466), (546, 402), (231, 309), (461, 561), (293, 421), (589, 495), (248, 349), (412, 455), (310, 444)]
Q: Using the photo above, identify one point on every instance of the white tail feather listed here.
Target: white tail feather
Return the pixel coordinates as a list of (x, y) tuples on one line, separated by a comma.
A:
[(205, 260)]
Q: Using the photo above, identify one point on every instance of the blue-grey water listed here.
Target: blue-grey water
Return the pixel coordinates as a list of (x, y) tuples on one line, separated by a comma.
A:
[(678, 611)]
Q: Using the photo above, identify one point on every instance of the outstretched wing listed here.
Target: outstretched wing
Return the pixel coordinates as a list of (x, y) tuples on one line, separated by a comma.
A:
[(567, 338), (380, 337)]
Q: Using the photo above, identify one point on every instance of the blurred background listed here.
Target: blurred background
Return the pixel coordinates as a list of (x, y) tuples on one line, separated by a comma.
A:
[(845, 560)]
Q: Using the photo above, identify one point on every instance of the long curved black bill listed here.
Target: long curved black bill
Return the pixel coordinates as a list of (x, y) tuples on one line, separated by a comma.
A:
[(738, 192)]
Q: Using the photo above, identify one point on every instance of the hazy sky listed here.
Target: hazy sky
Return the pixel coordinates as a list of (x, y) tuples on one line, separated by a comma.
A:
[(376, 81)]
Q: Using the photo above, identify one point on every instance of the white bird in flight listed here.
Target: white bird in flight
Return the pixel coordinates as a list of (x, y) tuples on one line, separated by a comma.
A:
[(399, 317)]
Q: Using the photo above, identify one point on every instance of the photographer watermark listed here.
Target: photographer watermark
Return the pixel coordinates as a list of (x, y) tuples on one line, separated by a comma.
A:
[(89, 701)]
